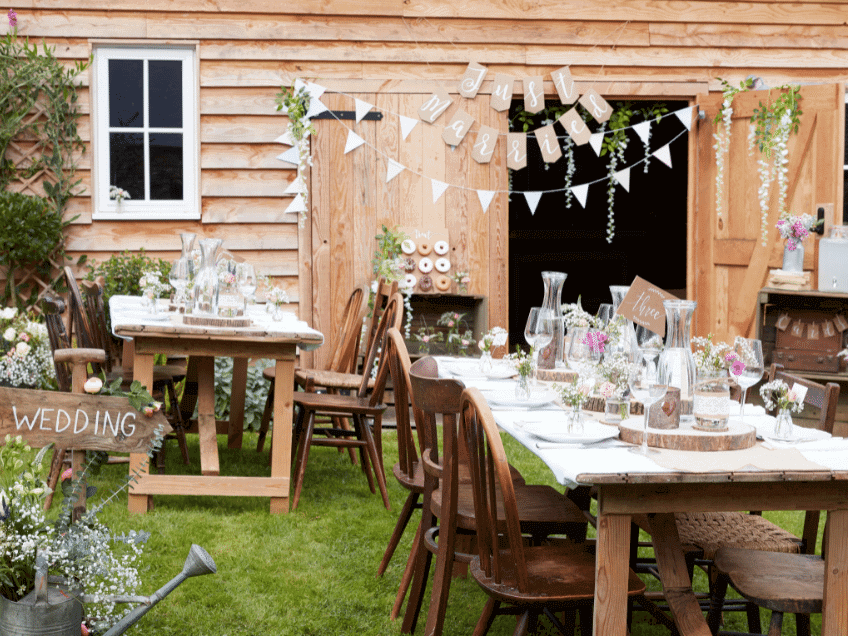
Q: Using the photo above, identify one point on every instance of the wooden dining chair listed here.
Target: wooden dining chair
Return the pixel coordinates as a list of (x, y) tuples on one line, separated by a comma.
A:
[(367, 405), (345, 347), (447, 507), (520, 579), (79, 328)]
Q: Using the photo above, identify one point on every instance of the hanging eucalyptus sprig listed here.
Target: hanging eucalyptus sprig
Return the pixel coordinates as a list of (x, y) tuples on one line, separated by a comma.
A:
[(295, 102)]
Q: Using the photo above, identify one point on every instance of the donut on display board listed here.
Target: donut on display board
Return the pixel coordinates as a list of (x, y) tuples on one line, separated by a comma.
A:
[(443, 283), (425, 283), (408, 246), (440, 248), (411, 281), (425, 265), (409, 265), (424, 248), (442, 265)]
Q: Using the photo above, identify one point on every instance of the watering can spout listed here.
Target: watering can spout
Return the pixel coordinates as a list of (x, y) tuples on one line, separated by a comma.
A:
[(197, 563)]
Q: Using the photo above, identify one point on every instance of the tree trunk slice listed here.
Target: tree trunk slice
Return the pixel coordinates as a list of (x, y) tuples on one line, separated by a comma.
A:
[(738, 436)]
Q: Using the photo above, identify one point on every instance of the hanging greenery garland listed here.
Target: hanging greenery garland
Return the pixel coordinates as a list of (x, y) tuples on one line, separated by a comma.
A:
[(295, 103), (571, 167), (722, 135)]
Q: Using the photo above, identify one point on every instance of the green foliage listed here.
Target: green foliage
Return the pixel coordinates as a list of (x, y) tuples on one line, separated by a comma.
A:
[(138, 395), (255, 396), (296, 105), (388, 249), (767, 117), (729, 91)]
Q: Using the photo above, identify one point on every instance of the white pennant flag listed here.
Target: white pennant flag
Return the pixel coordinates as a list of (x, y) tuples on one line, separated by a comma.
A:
[(580, 192), (298, 84), (685, 116), (297, 205), (315, 90), (664, 155), (438, 189), (362, 109), (406, 125), (393, 170), (285, 138), (595, 141), (532, 200), (485, 197), (643, 129), (296, 187), (623, 178), (316, 107), (353, 141), (291, 156)]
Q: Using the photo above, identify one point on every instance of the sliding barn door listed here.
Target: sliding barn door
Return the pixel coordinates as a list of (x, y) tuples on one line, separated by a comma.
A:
[(351, 201), (731, 261)]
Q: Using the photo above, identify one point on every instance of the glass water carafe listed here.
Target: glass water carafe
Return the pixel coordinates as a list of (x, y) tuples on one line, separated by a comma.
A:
[(677, 356), (206, 279), (627, 340), (552, 355)]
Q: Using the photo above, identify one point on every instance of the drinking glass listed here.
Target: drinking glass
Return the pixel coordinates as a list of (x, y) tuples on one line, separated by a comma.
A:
[(605, 314), (179, 277), (246, 277), (538, 332), (584, 357), (750, 352), (648, 383)]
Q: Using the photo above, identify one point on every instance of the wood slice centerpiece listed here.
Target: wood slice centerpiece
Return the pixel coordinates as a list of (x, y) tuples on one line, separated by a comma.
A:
[(217, 321), (738, 436)]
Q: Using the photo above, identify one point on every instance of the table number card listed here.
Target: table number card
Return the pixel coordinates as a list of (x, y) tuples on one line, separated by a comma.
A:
[(643, 304)]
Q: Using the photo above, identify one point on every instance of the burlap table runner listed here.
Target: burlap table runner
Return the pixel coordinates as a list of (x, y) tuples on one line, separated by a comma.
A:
[(755, 458)]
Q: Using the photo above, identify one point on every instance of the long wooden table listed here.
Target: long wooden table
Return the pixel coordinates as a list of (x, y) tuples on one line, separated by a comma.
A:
[(278, 341)]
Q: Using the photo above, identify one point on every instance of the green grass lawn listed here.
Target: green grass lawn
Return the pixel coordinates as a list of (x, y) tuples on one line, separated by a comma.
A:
[(311, 572)]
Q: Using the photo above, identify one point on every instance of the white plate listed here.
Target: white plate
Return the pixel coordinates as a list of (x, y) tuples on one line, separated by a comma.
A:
[(144, 316), (463, 368), (798, 436), (500, 372), (506, 398), (558, 432)]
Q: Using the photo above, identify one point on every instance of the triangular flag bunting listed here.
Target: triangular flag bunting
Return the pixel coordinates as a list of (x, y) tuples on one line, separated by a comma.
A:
[(296, 187), (353, 141), (532, 200), (297, 204), (315, 90), (285, 138), (291, 155), (485, 197), (298, 84), (623, 178), (664, 155), (643, 129), (406, 125), (685, 116), (595, 141), (362, 109), (316, 107), (438, 189), (580, 192), (393, 170)]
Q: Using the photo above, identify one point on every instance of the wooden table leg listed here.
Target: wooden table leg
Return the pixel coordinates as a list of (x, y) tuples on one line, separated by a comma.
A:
[(835, 611), (282, 432), (612, 571), (206, 427), (238, 390), (139, 462)]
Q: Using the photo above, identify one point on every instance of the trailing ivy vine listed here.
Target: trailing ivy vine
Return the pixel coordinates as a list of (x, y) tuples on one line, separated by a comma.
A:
[(295, 103)]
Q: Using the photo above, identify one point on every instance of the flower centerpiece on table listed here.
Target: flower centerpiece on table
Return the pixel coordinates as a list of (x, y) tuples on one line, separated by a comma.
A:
[(614, 371), (152, 287), (491, 340), (276, 297), (458, 338), (462, 280), (26, 359), (778, 395), (522, 362), (714, 359), (574, 394)]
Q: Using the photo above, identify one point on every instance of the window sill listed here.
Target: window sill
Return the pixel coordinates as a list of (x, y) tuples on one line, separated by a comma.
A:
[(141, 215)]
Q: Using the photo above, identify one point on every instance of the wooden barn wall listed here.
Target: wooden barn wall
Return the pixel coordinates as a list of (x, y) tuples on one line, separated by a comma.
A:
[(248, 48)]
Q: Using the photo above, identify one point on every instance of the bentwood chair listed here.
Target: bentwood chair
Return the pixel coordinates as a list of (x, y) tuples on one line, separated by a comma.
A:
[(360, 408), (521, 580), (447, 498)]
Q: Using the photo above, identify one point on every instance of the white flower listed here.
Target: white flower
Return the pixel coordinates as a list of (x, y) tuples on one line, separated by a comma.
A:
[(93, 385), (10, 334), (22, 349), (8, 313)]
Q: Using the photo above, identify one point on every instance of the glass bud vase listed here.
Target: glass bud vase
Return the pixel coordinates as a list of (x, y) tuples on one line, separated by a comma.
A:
[(711, 400), (553, 355), (575, 420), (486, 363), (230, 300), (793, 260), (676, 358), (783, 424), (522, 387), (206, 280), (616, 409)]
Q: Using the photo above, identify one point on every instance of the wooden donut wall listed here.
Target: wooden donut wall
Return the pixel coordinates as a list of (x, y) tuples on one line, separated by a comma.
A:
[(428, 256)]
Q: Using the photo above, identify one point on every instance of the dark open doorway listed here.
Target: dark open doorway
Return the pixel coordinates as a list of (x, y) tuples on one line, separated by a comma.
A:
[(650, 221)]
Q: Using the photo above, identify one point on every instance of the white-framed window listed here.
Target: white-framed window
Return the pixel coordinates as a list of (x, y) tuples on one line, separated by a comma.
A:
[(145, 132), (845, 168)]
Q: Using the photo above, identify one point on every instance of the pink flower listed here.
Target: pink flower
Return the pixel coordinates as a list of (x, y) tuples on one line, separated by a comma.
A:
[(450, 323), (465, 279), (149, 411), (465, 342), (84, 630), (607, 389), (13, 18), (730, 357), (24, 336), (792, 396), (426, 338), (68, 473), (738, 367)]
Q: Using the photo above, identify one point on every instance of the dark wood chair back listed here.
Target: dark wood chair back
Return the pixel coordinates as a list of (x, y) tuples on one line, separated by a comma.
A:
[(53, 309), (822, 396), (79, 326), (348, 336), (95, 313), (384, 292), (392, 316), (409, 442)]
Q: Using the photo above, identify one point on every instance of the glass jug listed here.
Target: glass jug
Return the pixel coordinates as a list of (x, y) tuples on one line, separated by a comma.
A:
[(206, 279), (552, 355), (677, 357)]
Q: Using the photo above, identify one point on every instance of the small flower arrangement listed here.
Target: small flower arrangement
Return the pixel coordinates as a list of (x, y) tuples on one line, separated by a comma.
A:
[(457, 339), (575, 316), (777, 394), (426, 337), (521, 361), (118, 194), (151, 284), (597, 340), (26, 359), (795, 228), (615, 369), (276, 296), (574, 393), (462, 280), (716, 357), (494, 338)]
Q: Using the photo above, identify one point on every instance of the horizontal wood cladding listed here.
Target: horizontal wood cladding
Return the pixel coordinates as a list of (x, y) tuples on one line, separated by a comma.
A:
[(247, 210), (238, 183)]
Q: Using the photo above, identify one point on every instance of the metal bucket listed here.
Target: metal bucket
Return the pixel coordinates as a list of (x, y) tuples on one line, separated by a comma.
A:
[(60, 616)]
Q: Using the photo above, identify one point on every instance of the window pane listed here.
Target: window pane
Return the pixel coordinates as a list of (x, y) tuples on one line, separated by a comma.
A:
[(126, 93), (166, 94), (166, 166), (126, 163)]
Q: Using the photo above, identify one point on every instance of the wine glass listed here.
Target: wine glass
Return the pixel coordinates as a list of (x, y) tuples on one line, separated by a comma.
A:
[(247, 283), (538, 332), (648, 383), (605, 314), (584, 356), (750, 352), (179, 277)]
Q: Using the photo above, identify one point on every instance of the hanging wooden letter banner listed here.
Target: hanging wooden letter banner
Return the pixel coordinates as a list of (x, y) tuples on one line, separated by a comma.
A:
[(516, 154), (432, 109), (471, 81), (456, 130), (534, 94), (484, 145), (575, 126), (565, 87), (596, 105), (501, 92), (548, 143)]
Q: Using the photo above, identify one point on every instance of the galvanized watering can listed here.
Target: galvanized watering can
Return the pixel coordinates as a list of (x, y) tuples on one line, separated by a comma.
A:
[(51, 610)]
